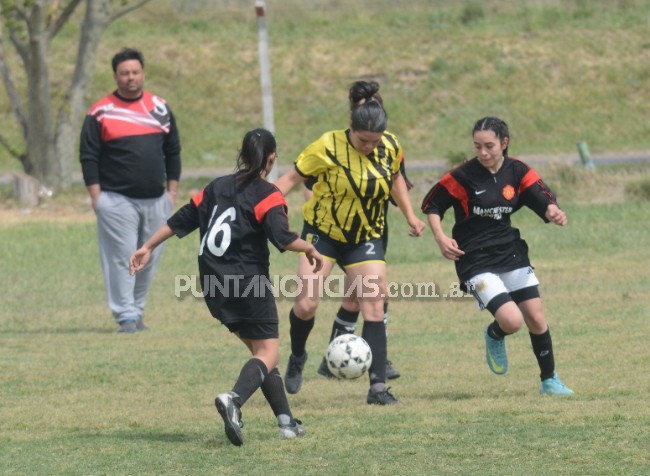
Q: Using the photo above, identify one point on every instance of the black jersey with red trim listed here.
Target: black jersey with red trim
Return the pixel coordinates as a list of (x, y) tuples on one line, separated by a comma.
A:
[(235, 222), (130, 146), (483, 203)]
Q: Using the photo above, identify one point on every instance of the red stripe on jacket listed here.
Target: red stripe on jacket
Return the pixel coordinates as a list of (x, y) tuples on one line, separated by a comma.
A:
[(273, 200), (456, 190), (531, 178), (198, 198)]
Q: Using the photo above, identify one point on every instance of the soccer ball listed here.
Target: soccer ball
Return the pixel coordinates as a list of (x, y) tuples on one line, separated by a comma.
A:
[(348, 356)]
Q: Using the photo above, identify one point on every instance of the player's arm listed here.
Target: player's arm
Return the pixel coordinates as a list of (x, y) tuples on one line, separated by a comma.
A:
[(556, 215), (94, 190), (141, 257), (399, 192), (436, 202), (272, 214), (448, 246), (313, 256), (90, 145), (289, 180), (181, 223), (538, 196)]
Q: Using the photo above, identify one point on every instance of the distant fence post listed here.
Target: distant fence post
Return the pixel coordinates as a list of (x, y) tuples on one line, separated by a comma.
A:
[(26, 189), (265, 75), (585, 156)]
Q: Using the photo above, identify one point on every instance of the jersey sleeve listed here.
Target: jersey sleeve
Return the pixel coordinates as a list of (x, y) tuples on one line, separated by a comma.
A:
[(443, 195), (313, 161), (172, 150), (276, 227), (271, 213), (90, 146), (186, 219), (534, 193), (402, 170)]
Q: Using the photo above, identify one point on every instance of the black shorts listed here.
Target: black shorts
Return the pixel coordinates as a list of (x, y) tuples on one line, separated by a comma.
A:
[(254, 330), (345, 254), (243, 304)]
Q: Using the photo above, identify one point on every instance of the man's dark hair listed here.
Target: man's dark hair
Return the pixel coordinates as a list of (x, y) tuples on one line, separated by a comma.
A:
[(125, 55)]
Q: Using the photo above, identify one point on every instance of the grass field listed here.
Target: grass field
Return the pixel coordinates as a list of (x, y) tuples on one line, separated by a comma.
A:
[(76, 398)]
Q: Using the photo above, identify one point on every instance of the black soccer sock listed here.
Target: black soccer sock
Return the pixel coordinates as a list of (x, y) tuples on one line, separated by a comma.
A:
[(299, 332), (386, 317), (374, 334), (251, 377), (543, 349), (344, 323), (496, 332), (273, 391)]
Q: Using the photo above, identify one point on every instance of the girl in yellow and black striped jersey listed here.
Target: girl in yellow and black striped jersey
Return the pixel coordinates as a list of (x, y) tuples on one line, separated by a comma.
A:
[(353, 172), (345, 321)]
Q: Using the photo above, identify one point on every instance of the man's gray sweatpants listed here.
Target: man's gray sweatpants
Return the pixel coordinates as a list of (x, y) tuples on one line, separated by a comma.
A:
[(123, 225)]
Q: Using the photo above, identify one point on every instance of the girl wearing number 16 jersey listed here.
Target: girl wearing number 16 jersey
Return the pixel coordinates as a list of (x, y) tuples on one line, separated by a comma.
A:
[(237, 215)]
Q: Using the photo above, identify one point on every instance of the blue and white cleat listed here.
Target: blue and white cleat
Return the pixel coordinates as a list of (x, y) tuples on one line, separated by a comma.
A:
[(555, 387), (495, 354)]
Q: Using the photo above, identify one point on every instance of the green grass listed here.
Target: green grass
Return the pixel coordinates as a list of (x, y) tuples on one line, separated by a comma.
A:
[(76, 398), (558, 71)]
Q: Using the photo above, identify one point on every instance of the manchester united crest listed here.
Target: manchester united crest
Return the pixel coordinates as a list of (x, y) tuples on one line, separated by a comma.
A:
[(508, 192)]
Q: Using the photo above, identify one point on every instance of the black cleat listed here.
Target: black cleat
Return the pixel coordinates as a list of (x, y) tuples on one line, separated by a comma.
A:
[(231, 415), (391, 372), (293, 376), (324, 370), (381, 397)]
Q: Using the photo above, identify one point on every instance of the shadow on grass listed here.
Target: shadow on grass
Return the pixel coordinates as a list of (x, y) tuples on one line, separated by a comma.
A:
[(459, 396), (453, 396), (61, 330), (147, 435)]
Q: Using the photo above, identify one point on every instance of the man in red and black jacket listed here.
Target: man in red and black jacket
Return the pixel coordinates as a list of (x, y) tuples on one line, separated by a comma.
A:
[(130, 156)]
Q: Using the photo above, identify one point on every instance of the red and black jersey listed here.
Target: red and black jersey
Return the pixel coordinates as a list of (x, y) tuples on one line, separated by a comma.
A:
[(130, 146), (483, 203), (235, 223)]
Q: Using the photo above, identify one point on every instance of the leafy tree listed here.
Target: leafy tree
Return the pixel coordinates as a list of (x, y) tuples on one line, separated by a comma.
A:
[(49, 137)]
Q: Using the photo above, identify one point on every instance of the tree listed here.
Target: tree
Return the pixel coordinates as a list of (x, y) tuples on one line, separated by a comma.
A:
[(48, 147)]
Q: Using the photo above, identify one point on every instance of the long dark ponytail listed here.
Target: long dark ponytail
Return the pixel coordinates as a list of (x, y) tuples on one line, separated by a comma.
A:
[(256, 148)]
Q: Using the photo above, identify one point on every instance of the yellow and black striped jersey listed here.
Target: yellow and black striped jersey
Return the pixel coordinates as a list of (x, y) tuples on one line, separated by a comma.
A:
[(350, 189)]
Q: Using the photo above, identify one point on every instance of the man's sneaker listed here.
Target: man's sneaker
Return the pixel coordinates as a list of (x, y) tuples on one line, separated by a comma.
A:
[(554, 386), (291, 430), (324, 370), (293, 377), (127, 327), (231, 415), (139, 325), (381, 397), (391, 372), (495, 354)]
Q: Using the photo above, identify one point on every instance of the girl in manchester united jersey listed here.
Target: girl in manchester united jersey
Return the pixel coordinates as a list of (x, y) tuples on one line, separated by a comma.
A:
[(490, 257), (354, 172), (236, 215)]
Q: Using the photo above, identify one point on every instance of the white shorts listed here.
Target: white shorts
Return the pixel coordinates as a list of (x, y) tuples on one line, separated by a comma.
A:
[(486, 286)]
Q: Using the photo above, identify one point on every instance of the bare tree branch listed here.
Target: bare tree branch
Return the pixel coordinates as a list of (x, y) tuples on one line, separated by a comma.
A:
[(12, 93), (55, 26), (126, 9), (20, 11), (5, 143), (21, 46)]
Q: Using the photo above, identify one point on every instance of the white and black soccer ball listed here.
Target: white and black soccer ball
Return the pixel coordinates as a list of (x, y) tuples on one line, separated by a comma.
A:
[(348, 356)]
